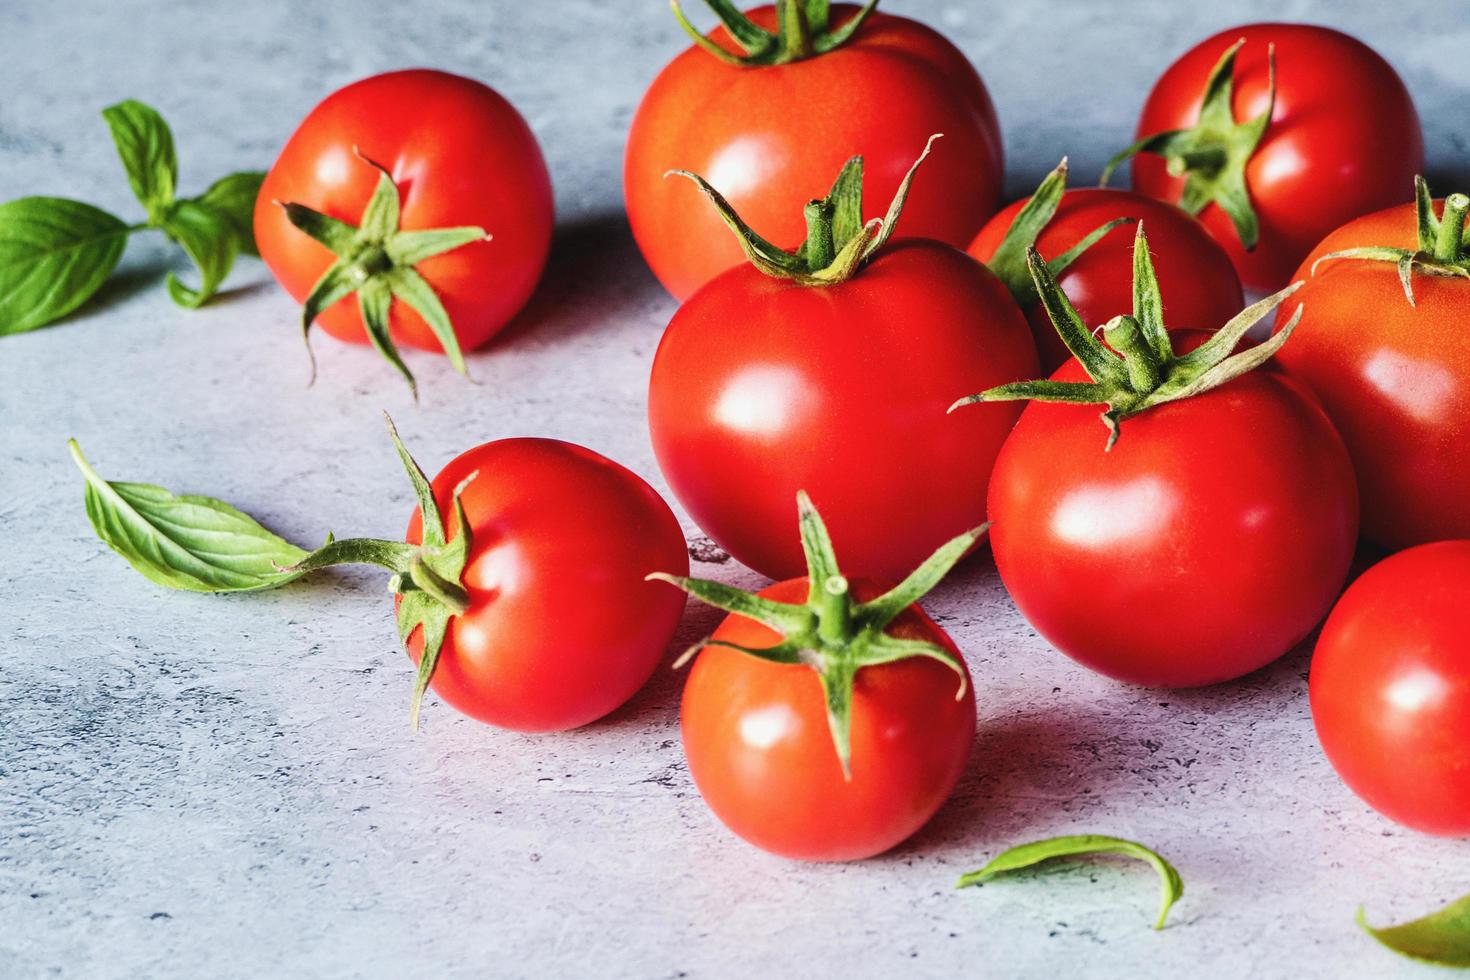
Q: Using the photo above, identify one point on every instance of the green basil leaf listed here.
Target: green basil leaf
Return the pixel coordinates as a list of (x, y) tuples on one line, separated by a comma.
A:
[(210, 240), (54, 254), (1026, 855), (1442, 937), (146, 146), (193, 543), (234, 197)]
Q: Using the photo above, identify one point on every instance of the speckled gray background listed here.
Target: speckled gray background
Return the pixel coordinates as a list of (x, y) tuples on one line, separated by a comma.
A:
[(196, 786)]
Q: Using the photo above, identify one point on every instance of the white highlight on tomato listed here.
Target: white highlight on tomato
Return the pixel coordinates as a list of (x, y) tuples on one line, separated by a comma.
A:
[(1106, 516), (1424, 389)]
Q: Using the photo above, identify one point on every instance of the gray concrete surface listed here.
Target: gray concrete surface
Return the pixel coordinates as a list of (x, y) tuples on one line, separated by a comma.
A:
[(196, 786)]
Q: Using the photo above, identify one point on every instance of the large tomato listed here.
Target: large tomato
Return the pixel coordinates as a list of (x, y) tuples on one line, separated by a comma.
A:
[(460, 157), (1198, 282), (1390, 688), (561, 627), (1394, 376), (762, 387), (1343, 140), (771, 136)]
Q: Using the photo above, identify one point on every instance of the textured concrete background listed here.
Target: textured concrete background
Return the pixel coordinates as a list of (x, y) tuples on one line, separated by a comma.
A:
[(226, 786)]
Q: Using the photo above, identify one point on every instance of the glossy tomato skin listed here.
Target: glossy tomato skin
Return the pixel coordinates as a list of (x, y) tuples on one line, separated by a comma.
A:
[(760, 750), (1209, 541), (1344, 139), (562, 628), (1196, 278), (772, 138), (460, 154), (1394, 378), (761, 388), (1390, 687)]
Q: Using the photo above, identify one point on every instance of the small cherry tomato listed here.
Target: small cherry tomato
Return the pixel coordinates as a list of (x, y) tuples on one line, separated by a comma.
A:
[(1270, 179), (1390, 686), (770, 132), (1392, 367), (822, 720), (457, 159), (1196, 279)]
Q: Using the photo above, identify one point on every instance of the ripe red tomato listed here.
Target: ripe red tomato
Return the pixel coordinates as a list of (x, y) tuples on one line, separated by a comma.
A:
[(561, 626), (759, 747), (762, 387), (1210, 540), (1394, 377), (460, 155), (1196, 278), (771, 138), (1390, 688), (1344, 138)]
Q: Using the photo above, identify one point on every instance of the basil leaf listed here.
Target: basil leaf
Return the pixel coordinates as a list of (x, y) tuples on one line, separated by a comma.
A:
[(1442, 937), (1026, 855), (193, 543), (146, 146), (234, 197), (210, 240), (54, 254)]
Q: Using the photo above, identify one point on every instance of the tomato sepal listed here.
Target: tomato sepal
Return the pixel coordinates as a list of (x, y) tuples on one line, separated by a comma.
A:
[(1137, 369), (833, 633), (1212, 155), (837, 242), (1444, 243), (376, 260), (803, 30), (1009, 260)]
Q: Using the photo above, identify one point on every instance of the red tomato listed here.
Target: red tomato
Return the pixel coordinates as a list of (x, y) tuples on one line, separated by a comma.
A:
[(772, 137), (1390, 688), (1395, 379), (1209, 541), (562, 628), (760, 750), (460, 155), (762, 387), (1344, 138), (1198, 283)]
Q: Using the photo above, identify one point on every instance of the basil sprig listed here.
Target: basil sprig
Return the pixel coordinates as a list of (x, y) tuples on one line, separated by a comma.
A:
[(1171, 886), (55, 253), (1441, 937)]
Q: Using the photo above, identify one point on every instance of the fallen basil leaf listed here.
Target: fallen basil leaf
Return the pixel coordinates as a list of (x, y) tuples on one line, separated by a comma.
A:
[(146, 146), (211, 242), (1441, 937), (54, 254), (1026, 855), (234, 198), (194, 543)]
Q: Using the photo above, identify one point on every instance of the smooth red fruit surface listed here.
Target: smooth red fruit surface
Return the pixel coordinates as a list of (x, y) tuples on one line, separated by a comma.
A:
[(562, 628), (460, 155), (760, 750), (1196, 279), (1209, 541), (762, 387), (1344, 138), (770, 139), (1394, 378), (1390, 688)]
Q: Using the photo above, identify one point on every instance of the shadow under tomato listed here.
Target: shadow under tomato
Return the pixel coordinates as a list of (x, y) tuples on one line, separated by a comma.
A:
[(657, 701)]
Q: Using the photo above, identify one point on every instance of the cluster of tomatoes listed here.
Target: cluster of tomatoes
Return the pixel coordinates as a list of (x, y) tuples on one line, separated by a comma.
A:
[(1179, 504)]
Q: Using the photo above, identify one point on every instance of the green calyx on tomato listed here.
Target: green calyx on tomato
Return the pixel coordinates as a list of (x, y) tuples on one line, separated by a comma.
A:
[(1009, 260), (1444, 242), (803, 30), (1137, 369), (833, 633), (838, 241), (1212, 155), (199, 544), (376, 260)]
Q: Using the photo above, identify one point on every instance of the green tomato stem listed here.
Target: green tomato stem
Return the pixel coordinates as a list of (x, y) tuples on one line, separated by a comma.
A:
[(1448, 243)]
